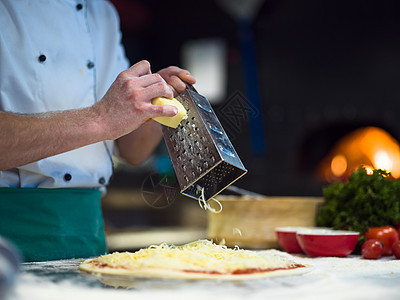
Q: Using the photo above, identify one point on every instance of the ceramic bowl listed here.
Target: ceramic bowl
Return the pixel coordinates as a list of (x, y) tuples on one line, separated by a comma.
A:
[(287, 238), (327, 242)]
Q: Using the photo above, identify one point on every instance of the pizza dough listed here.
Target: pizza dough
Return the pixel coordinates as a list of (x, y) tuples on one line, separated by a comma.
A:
[(197, 260), (170, 121)]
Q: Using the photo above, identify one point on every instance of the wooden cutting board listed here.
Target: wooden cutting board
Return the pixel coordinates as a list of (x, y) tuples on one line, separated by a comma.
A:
[(250, 222)]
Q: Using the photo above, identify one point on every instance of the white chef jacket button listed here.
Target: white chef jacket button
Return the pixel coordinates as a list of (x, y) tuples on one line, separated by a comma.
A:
[(42, 58), (79, 6), (102, 180), (90, 65), (67, 177)]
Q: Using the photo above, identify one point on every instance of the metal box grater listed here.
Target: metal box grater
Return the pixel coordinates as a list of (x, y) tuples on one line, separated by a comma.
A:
[(200, 150)]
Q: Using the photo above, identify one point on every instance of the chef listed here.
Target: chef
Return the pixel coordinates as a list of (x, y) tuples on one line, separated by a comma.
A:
[(67, 97)]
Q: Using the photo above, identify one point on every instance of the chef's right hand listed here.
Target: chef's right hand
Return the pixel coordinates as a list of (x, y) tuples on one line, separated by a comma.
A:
[(127, 103)]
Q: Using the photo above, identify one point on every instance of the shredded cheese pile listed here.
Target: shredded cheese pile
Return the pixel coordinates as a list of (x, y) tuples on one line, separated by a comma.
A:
[(202, 255)]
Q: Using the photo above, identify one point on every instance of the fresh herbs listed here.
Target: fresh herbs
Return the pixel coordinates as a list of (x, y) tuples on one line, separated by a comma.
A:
[(362, 202)]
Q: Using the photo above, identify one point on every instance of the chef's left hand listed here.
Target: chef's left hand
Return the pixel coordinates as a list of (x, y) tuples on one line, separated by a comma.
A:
[(176, 78)]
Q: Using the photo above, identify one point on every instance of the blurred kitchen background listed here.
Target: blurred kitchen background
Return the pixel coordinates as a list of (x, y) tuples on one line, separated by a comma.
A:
[(306, 90)]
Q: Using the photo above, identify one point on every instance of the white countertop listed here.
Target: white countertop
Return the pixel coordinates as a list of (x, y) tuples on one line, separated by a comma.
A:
[(330, 278)]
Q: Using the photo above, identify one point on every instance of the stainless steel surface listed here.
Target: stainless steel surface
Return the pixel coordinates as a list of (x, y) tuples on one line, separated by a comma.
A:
[(200, 150)]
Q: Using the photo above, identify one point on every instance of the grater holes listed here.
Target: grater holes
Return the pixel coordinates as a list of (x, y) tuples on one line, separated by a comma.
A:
[(198, 145), (186, 178), (183, 168)]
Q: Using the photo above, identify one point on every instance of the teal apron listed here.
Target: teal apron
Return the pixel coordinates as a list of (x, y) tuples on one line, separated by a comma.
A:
[(49, 224)]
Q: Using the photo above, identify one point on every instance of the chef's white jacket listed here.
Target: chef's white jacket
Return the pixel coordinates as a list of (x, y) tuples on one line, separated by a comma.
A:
[(59, 55)]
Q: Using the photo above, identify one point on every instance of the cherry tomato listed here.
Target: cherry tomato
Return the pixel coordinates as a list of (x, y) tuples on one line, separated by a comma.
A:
[(398, 229), (396, 249), (372, 249), (385, 234)]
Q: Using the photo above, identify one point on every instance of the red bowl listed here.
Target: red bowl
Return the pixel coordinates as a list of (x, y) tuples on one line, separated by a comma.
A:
[(327, 242), (287, 238)]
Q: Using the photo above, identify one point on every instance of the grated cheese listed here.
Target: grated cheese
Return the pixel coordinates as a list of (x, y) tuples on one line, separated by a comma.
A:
[(206, 205), (202, 255)]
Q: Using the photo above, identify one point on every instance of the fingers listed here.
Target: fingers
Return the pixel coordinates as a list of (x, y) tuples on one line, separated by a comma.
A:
[(150, 79), (139, 69), (157, 89), (187, 77), (164, 110), (182, 73), (177, 77), (177, 84), (145, 87), (152, 85)]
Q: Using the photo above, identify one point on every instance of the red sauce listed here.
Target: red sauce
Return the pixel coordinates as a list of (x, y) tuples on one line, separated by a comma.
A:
[(258, 270), (203, 272), (97, 264), (234, 272), (247, 271)]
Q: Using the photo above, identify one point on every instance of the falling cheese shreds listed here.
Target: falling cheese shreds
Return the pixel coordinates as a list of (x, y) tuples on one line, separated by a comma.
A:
[(236, 231), (206, 204)]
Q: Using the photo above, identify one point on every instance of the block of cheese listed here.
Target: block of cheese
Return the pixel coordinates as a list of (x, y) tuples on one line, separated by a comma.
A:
[(170, 121)]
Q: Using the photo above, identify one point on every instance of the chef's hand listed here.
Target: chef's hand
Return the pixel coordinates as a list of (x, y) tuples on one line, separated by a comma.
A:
[(176, 78), (127, 104)]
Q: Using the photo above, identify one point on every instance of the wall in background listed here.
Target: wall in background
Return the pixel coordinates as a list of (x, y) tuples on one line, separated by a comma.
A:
[(324, 67)]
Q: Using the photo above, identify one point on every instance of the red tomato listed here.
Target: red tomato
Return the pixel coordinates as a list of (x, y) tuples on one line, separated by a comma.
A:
[(396, 249), (398, 229), (372, 249), (385, 234)]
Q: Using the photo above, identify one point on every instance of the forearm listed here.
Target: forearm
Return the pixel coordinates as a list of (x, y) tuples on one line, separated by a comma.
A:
[(25, 138), (137, 146), (122, 114)]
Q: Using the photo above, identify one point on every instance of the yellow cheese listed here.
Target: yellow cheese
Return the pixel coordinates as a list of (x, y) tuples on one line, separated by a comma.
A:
[(170, 121), (202, 255)]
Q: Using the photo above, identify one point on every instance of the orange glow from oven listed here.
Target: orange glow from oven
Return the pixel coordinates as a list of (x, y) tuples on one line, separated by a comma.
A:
[(339, 165), (370, 147)]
